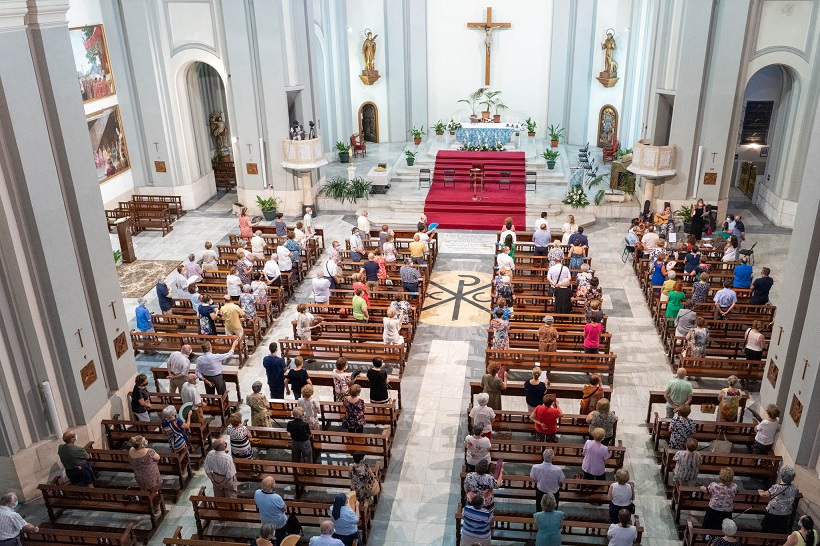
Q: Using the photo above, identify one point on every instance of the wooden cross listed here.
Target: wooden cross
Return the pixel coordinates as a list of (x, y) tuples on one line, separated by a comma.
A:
[(488, 27)]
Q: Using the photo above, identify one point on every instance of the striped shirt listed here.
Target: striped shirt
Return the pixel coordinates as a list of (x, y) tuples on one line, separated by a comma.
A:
[(11, 523), (179, 363), (210, 364), (219, 462), (409, 274), (476, 523)]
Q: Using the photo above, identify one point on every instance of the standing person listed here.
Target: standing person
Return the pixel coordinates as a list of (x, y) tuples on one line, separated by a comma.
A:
[(75, 461), (301, 450), (678, 392), (534, 390), (371, 272), (806, 535), (621, 496), (356, 245), (144, 464), (483, 415), (482, 483), (548, 522), (501, 329), (493, 385), (766, 431), (563, 297), (729, 400), (271, 271), (591, 394), (743, 274), (209, 258), (755, 342), (595, 456), (12, 523), (275, 367), (622, 533), (297, 378), (354, 419), (542, 223), (345, 520), (362, 479), (258, 245), (603, 418), (541, 239), (341, 380), (307, 222), (592, 335), (321, 287), (686, 320), (410, 276), (363, 223), (245, 224), (232, 315), (190, 394), (240, 436), (207, 315), (687, 463), (476, 523), (306, 323), (781, 502), (569, 228), (140, 403), (280, 225), (389, 250), (209, 367), (721, 501), (392, 327), (247, 302), (285, 259), (761, 287), (176, 430), (163, 295), (548, 478), (310, 408), (548, 336), (233, 284), (325, 538), (417, 249), (696, 339), (179, 363), (260, 414), (359, 306), (546, 417), (681, 428), (696, 224), (476, 447), (144, 322), (675, 302), (378, 378), (271, 507), (577, 253), (220, 469), (179, 283), (383, 235), (725, 300)]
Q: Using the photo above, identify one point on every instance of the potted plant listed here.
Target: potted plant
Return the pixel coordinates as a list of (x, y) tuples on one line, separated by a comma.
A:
[(498, 107), (417, 134), (118, 258), (550, 156), (439, 127), (685, 214), (489, 101), (453, 126), (268, 206), (530, 123), (556, 132), (336, 188), (359, 188), (576, 197), (472, 99), (344, 152), (411, 157)]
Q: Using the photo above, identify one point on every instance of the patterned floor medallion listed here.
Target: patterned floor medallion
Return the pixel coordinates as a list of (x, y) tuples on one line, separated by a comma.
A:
[(457, 298)]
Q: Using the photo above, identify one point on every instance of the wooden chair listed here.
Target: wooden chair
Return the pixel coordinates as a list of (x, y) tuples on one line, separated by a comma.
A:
[(609, 151), (358, 145)]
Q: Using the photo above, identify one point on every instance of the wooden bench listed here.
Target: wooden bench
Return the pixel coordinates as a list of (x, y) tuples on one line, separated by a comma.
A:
[(519, 421), (509, 528), (214, 404), (570, 341), (229, 373), (695, 536), (174, 202), (189, 324), (748, 371), (535, 319), (332, 413), (325, 379), (149, 215), (118, 431), (761, 467), (560, 390), (224, 175), (327, 441), (351, 332), (699, 396), (748, 502), (603, 364), (177, 540), (170, 342), (122, 500), (170, 464), (355, 352), (532, 452), (706, 431), (221, 509), (72, 537)]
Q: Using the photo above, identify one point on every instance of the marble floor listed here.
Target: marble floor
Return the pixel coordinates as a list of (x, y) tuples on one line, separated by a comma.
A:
[(421, 491)]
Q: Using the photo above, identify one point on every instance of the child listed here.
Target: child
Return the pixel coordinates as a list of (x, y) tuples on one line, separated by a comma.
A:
[(721, 501), (310, 407), (681, 428), (621, 494), (483, 415), (687, 463), (766, 431)]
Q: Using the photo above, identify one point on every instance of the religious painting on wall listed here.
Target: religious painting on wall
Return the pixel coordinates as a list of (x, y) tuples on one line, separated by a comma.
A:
[(108, 143), (756, 120), (91, 59), (607, 126)]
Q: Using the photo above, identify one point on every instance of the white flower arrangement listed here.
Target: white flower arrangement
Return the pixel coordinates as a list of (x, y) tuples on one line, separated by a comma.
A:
[(576, 197)]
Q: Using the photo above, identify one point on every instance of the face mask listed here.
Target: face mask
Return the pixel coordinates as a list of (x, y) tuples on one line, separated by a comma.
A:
[(75, 438), (16, 504)]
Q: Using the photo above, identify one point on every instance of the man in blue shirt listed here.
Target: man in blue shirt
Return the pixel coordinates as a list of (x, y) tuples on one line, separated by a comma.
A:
[(326, 537), (275, 367), (144, 323), (271, 507), (579, 236), (743, 274), (541, 240), (725, 300)]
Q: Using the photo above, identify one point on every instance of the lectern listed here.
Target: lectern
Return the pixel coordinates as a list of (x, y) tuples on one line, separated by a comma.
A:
[(124, 226)]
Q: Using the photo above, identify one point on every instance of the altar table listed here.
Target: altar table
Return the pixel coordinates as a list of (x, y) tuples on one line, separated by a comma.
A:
[(474, 134)]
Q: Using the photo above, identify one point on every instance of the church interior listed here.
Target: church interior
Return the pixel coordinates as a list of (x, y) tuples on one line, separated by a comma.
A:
[(405, 272)]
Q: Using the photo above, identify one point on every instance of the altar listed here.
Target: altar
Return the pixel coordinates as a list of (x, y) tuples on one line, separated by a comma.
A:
[(475, 134)]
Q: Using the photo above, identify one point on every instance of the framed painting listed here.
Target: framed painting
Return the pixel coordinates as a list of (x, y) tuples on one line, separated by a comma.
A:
[(607, 126), (108, 143), (91, 60)]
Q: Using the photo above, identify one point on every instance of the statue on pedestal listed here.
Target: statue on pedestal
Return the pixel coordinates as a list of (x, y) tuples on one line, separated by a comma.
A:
[(369, 74), (609, 76), (219, 130)]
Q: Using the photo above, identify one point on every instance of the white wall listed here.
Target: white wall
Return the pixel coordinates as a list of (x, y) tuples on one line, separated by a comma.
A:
[(361, 15), (520, 65), (614, 14)]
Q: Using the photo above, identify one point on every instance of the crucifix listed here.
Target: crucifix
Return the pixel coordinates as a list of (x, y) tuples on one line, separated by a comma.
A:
[(488, 27)]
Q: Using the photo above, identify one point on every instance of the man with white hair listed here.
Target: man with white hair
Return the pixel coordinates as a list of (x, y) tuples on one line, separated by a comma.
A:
[(220, 470), (321, 287), (163, 295), (307, 222), (678, 393), (258, 245), (190, 394), (548, 478), (273, 275), (12, 523), (301, 450), (144, 322), (364, 226), (179, 362)]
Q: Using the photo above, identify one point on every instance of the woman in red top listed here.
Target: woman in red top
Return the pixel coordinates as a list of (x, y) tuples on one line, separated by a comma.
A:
[(546, 419), (357, 283), (592, 335)]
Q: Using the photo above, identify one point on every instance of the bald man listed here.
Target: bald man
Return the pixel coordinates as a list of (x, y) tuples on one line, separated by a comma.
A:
[(12, 523), (326, 536), (271, 507), (179, 362), (75, 461), (220, 470), (678, 393), (190, 393)]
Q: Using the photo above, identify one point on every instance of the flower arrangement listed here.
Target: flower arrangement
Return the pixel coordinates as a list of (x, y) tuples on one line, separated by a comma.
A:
[(453, 125), (576, 197), (484, 147)]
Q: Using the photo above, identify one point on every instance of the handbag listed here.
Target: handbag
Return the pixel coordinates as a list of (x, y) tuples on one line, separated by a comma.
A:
[(376, 488), (720, 446), (708, 408)]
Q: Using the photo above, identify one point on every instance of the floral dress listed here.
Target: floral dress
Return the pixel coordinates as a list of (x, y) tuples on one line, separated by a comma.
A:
[(146, 471), (389, 250), (382, 274), (354, 414), (248, 304), (260, 417), (729, 404), (700, 292), (362, 480), (501, 339), (311, 409), (696, 342), (341, 384)]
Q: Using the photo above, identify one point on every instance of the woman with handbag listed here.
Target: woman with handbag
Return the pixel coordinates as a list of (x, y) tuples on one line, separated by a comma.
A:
[(781, 503), (362, 479)]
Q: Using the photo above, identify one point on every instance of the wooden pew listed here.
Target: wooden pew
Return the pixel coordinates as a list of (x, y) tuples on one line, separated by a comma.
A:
[(215, 404), (189, 324), (174, 202), (695, 536), (509, 528), (533, 318), (229, 373), (747, 502), (761, 467), (355, 352), (531, 452), (74, 536), (332, 413), (351, 332), (221, 509), (603, 364), (519, 421), (170, 342), (177, 540), (170, 464), (560, 390), (571, 341), (746, 370), (122, 500), (706, 431), (118, 431), (699, 396), (327, 441), (325, 379)]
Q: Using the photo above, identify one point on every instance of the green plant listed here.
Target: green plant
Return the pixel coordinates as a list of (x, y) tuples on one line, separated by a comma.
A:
[(500, 106), (336, 188), (490, 99), (417, 133), (530, 123), (117, 256), (576, 198), (410, 154), (439, 126), (685, 212), (484, 147), (550, 155), (594, 183), (359, 188), (473, 98), (342, 148), (619, 153), (556, 132), (271, 203), (453, 125)]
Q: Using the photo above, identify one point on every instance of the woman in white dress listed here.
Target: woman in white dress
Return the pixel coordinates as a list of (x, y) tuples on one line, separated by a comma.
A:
[(209, 257), (392, 326), (568, 229), (179, 283)]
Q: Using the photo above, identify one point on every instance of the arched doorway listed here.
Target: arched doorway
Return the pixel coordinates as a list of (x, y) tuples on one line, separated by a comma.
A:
[(209, 115), (767, 101), (369, 122)]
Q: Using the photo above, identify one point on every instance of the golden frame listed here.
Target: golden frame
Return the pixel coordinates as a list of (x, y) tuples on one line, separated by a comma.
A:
[(116, 109), (107, 57), (601, 119)]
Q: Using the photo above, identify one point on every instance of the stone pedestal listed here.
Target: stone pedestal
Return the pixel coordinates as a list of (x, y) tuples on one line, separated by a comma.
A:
[(369, 77), (608, 79)]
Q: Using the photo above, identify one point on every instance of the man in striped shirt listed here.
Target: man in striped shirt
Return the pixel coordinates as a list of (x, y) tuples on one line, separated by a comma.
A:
[(409, 276), (220, 470), (476, 523)]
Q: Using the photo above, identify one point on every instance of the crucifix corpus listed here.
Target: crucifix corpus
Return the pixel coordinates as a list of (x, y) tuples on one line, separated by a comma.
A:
[(488, 27)]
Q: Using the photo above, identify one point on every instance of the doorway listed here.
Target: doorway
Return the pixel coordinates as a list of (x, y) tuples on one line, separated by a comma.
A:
[(209, 115), (369, 122)]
